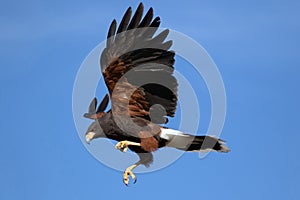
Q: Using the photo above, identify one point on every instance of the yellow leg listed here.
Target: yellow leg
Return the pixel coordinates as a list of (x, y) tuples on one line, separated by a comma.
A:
[(123, 145), (128, 172)]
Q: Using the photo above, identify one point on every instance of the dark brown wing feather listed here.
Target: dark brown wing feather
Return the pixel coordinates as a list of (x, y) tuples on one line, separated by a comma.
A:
[(138, 68)]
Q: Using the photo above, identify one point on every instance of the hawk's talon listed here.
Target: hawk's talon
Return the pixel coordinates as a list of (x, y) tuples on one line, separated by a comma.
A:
[(126, 175), (122, 146)]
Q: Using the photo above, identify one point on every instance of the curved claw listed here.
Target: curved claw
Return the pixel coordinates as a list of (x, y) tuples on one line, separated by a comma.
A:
[(126, 175), (122, 146), (123, 149)]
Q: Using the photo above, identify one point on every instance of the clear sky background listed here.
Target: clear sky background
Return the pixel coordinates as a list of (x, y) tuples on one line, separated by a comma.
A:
[(255, 44)]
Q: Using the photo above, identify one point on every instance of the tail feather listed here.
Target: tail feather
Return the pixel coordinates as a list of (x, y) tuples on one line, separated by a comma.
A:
[(188, 142), (207, 143)]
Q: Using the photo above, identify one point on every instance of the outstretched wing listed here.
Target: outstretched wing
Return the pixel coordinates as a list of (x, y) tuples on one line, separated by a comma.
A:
[(137, 66)]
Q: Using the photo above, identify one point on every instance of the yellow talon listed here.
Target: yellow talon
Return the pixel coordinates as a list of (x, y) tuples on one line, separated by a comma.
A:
[(122, 146), (126, 175), (128, 172)]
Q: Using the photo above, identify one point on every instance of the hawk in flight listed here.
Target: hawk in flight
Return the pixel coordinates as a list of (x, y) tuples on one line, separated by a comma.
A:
[(137, 65)]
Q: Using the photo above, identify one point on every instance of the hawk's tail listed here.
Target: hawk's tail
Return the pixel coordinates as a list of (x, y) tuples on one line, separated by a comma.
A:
[(207, 143), (188, 142)]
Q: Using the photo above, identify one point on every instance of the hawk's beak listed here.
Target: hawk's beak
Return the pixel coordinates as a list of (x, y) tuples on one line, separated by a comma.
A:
[(89, 137)]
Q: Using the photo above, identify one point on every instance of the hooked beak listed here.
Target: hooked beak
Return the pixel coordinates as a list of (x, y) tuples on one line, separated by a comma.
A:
[(89, 137)]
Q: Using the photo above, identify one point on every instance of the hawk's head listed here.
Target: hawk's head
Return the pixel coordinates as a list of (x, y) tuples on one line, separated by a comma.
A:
[(95, 130)]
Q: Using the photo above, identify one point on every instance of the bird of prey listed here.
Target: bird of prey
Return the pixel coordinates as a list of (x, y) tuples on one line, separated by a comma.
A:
[(137, 65)]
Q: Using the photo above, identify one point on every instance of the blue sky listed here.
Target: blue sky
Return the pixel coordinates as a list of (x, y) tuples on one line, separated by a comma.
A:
[(255, 45)]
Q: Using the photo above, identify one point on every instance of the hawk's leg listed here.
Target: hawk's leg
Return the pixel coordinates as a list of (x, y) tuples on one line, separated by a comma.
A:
[(123, 145), (128, 172)]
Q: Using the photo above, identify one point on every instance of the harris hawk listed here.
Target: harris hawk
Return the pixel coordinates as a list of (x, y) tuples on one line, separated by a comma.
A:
[(137, 65)]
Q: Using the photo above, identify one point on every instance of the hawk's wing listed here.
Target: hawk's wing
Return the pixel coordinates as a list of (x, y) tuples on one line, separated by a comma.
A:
[(138, 68)]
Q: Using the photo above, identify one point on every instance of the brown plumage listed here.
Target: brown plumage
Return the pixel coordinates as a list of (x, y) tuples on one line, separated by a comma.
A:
[(137, 66), (126, 67)]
